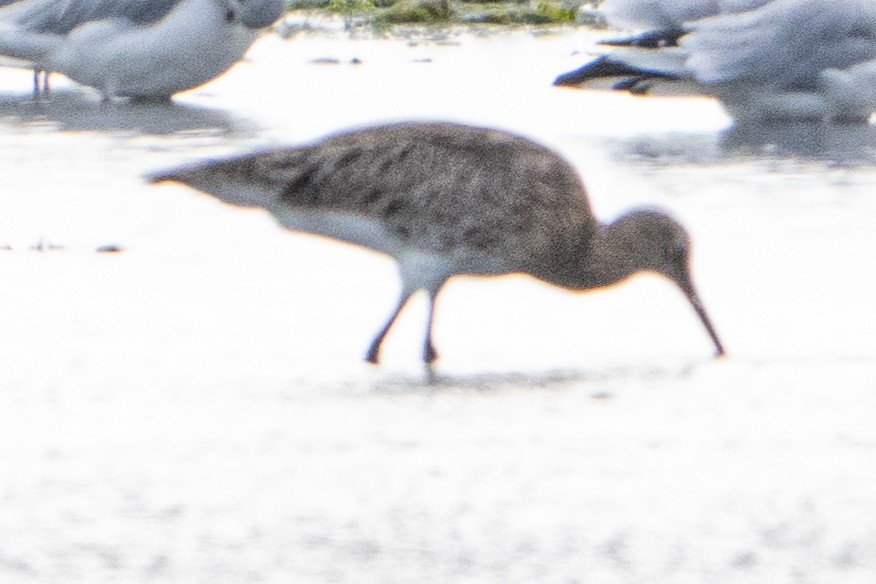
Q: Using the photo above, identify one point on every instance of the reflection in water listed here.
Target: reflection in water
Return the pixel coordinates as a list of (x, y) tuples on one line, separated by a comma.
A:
[(605, 378), (430, 381), (77, 111), (832, 144)]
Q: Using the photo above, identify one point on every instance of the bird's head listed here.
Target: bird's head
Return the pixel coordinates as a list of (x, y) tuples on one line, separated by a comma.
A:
[(648, 240)]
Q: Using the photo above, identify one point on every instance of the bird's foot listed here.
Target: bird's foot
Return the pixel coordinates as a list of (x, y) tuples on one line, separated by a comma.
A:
[(372, 356), (430, 355)]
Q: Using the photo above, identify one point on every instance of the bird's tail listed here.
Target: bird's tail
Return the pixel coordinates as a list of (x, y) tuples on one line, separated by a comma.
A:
[(251, 180), (224, 180)]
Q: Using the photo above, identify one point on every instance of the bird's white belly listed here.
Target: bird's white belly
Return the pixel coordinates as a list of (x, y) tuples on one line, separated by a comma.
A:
[(348, 227), (374, 234)]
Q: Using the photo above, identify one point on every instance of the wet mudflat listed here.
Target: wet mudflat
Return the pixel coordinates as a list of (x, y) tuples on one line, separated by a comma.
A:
[(194, 408)]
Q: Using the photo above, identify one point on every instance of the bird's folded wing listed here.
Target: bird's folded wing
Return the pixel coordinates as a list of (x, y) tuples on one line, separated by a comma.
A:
[(26, 46), (773, 44)]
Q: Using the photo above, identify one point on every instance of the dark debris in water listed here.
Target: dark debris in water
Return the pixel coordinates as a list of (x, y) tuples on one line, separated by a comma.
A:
[(433, 380), (334, 61), (42, 245), (109, 248), (601, 395)]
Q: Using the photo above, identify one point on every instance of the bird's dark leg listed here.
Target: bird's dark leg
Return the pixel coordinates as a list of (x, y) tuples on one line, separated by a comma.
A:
[(374, 350), (429, 352)]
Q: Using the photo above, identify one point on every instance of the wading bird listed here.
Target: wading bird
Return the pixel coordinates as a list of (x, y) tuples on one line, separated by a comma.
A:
[(446, 199)]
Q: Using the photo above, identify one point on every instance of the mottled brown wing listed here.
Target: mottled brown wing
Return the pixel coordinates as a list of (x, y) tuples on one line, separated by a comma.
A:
[(446, 186)]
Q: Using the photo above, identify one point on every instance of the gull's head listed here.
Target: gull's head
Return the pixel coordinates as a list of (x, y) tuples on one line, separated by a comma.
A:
[(255, 14)]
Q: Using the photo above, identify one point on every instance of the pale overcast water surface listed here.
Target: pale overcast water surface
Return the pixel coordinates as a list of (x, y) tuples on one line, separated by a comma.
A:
[(195, 408)]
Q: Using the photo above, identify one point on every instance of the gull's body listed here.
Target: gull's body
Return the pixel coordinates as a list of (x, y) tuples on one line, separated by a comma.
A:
[(447, 199), (764, 59), (134, 48)]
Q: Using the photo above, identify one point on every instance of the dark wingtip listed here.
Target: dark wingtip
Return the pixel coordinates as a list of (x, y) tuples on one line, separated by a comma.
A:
[(654, 39), (631, 79), (603, 67), (573, 78), (596, 68)]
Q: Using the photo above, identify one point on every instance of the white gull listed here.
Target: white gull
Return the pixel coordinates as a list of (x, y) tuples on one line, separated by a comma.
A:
[(132, 48), (763, 59)]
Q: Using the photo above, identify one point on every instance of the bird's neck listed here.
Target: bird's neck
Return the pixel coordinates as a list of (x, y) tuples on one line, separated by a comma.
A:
[(600, 260)]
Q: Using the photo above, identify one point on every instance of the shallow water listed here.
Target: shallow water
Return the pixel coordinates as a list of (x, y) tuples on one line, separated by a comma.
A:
[(194, 407)]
